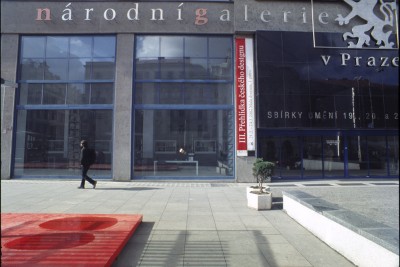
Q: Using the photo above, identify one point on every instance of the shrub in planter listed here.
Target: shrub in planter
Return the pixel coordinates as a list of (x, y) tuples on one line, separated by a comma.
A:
[(262, 172), (259, 197)]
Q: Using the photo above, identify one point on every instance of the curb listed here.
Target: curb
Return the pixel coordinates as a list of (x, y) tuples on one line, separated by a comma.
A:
[(361, 240)]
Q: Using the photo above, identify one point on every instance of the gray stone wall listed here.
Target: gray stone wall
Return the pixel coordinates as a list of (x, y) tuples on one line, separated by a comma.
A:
[(122, 151), (244, 171), (9, 59)]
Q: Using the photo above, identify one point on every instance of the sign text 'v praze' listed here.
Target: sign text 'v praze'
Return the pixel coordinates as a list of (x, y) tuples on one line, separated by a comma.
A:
[(371, 61)]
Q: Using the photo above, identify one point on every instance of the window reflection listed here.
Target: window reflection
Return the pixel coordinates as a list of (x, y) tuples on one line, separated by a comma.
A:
[(78, 93), (170, 93), (147, 68), (54, 93), (171, 47), (57, 47), (171, 57), (61, 64), (196, 68), (56, 69), (30, 94), (147, 46), (393, 154), (220, 69), (195, 47), (171, 68), (221, 47), (47, 141), (81, 47), (103, 69), (32, 69), (102, 93), (33, 47), (183, 71), (60, 61), (80, 69), (102, 45), (332, 105), (186, 93), (319, 85), (182, 143)]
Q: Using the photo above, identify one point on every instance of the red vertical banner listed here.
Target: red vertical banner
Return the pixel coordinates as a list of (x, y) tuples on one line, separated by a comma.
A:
[(241, 105)]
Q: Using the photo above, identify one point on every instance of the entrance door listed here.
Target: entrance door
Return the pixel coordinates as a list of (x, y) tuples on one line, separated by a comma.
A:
[(285, 152), (312, 157), (393, 155), (367, 156), (333, 157)]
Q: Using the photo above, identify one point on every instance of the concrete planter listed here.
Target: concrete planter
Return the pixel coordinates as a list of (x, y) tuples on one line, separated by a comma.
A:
[(259, 201)]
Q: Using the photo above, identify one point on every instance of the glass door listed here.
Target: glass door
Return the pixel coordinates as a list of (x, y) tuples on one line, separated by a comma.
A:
[(285, 152), (290, 157), (312, 156), (393, 154), (330, 154), (367, 156), (333, 156)]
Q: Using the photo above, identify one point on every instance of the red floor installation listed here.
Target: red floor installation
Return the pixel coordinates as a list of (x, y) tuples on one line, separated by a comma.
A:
[(29, 239)]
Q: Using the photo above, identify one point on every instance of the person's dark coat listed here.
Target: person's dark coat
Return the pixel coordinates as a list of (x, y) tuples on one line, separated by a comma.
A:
[(85, 156)]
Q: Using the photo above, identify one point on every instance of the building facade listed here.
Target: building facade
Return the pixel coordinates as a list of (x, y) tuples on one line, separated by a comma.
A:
[(199, 89)]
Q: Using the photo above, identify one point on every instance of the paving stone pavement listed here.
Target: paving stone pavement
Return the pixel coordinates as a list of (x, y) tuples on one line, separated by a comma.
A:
[(206, 223)]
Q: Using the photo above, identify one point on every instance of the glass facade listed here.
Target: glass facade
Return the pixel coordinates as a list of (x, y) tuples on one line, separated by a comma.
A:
[(324, 88), (183, 107), (66, 95), (330, 154), (323, 112), (326, 112)]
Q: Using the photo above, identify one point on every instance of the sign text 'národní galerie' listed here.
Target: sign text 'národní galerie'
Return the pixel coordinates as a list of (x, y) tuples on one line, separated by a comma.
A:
[(211, 17)]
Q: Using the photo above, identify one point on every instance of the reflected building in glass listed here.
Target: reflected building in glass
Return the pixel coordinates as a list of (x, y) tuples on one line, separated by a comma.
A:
[(326, 112)]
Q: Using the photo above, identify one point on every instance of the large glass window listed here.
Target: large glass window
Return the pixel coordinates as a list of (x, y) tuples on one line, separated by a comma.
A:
[(324, 88), (324, 154), (393, 155), (347, 95), (183, 109), (47, 141), (182, 143), (369, 153), (65, 95), (173, 58)]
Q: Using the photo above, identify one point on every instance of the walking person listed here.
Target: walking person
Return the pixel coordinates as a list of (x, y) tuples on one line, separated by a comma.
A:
[(87, 159)]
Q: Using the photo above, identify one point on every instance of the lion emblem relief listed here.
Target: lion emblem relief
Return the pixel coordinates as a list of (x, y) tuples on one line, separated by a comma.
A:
[(375, 25)]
